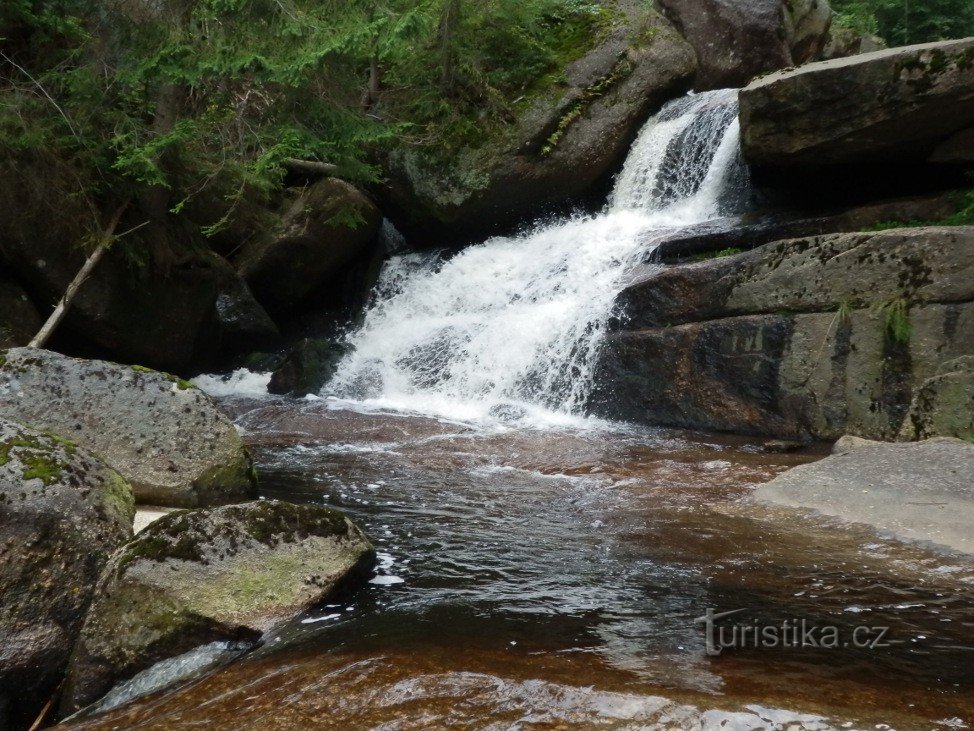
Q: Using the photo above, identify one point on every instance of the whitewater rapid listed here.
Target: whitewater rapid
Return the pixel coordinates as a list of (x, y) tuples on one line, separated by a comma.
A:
[(510, 330)]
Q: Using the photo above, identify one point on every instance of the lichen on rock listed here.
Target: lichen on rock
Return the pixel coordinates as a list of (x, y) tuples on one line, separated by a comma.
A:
[(193, 577), (163, 435), (62, 513)]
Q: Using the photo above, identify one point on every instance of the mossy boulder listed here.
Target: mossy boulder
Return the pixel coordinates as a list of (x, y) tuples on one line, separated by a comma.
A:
[(895, 106), (163, 435), (944, 403), (62, 514), (564, 139), (325, 227), (194, 577)]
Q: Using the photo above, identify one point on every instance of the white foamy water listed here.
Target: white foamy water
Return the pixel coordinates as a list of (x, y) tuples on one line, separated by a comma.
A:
[(509, 331), (241, 382)]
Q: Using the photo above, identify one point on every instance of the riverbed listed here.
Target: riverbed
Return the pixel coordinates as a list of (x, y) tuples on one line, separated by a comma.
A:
[(544, 578)]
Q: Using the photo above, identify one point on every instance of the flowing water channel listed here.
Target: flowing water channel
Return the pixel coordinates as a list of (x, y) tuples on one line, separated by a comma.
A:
[(541, 569)]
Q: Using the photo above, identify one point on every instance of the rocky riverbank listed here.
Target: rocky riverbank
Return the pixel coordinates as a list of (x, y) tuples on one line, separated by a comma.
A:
[(83, 605)]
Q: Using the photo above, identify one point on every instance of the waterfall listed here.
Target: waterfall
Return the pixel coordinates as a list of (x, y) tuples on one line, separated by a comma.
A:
[(511, 328)]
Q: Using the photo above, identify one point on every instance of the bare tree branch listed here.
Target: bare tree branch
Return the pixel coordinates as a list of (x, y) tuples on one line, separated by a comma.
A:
[(311, 167), (106, 238)]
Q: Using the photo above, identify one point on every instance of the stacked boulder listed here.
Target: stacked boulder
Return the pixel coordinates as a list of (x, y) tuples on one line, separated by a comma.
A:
[(102, 437)]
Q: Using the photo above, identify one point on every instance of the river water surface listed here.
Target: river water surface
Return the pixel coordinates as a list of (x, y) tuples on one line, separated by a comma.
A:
[(551, 578)]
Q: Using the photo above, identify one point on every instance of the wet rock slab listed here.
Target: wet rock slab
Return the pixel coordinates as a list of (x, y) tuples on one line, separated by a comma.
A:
[(869, 333), (921, 491)]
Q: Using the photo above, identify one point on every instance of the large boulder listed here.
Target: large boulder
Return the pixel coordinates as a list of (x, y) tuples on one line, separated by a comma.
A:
[(919, 492), (159, 296), (201, 576), (161, 433), (328, 225), (910, 104), (736, 40), (19, 319), (62, 514), (810, 337), (563, 142), (844, 42)]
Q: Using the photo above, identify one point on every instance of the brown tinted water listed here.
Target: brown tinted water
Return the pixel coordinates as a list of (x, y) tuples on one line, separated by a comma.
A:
[(551, 579)]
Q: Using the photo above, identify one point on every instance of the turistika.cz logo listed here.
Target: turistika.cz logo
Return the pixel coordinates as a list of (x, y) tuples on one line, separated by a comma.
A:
[(787, 634)]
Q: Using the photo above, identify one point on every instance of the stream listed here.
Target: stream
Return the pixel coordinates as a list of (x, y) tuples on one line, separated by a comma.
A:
[(542, 569), (551, 578)]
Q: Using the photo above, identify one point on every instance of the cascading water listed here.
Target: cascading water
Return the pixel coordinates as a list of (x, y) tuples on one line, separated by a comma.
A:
[(511, 328)]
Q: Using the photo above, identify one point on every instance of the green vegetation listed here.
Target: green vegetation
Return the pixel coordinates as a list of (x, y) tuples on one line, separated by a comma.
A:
[(963, 217), (896, 320), (903, 22), (844, 313), (39, 460), (193, 106)]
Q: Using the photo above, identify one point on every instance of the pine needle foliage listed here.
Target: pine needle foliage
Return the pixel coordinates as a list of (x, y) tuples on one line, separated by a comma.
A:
[(209, 99)]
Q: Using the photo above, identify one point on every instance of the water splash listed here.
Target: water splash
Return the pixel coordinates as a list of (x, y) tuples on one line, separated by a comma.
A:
[(509, 330)]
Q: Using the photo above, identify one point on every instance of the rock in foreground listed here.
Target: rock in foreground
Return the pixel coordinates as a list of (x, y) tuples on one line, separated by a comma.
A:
[(160, 433), (62, 514), (920, 491), (201, 576), (911, 104)]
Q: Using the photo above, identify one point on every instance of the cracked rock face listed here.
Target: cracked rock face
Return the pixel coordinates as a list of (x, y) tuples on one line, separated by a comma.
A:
[(163, 435), (62, 514), (194, 577), (863, 333)]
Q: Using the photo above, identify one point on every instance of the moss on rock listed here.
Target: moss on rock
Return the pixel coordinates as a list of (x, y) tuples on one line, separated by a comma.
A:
[(199, 576)]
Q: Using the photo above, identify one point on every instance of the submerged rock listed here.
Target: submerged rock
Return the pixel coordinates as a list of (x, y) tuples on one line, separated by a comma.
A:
[(892, 106), (563, 141), (196, 577), (736, 40), (162, 434), (62, 514), (327, 226), (920, 491), (803, 338)]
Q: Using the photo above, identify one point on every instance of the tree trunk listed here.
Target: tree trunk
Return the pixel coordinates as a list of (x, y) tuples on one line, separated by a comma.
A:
[(104, 240), (449, 25), (371, 94)]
